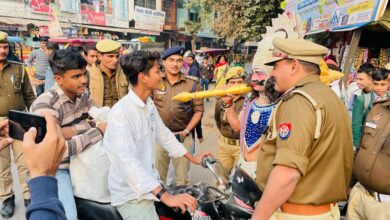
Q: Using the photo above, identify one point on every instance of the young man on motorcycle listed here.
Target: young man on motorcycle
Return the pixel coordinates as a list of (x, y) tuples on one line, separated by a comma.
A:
[(134, 128)]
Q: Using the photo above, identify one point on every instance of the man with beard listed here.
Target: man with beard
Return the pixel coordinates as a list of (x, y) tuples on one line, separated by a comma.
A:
[(16, 93)]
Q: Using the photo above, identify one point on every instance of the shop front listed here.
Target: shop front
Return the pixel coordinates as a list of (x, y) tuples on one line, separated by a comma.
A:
[(355, 31)]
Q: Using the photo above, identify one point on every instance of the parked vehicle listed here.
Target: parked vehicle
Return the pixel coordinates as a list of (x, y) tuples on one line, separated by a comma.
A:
[(236, 201)]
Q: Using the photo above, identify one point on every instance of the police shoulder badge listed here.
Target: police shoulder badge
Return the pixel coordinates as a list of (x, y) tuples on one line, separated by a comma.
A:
[(284, 130)]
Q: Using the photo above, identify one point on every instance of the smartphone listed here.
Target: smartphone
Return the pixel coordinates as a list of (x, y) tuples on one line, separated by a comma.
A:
[(20, 122), (179, 138)]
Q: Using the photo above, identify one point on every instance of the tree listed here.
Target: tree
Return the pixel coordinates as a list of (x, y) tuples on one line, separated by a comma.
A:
[(239, 19), (203, 20), (193, 28)]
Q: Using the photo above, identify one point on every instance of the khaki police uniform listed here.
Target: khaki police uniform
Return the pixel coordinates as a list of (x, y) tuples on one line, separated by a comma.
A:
[(370, 197), (309, 131), (107, 90), (176, 116), (15, 93), (228, 145)]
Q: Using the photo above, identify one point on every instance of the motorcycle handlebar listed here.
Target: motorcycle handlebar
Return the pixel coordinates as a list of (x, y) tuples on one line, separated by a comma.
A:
[(207, 162)]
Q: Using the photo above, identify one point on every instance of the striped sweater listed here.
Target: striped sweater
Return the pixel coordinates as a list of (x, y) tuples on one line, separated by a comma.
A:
[(41, 60), (70, 113)]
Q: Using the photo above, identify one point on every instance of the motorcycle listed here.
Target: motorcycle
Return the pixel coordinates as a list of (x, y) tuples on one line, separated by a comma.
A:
[(235, 200)]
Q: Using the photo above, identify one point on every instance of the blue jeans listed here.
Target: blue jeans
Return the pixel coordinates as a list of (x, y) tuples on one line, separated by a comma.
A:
[(204, 83), (65, 193), (49, 79)]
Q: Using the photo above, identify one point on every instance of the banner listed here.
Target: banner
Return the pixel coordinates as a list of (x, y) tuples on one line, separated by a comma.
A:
[(335, 15), (148, 19), (40, 6), (92, 14)]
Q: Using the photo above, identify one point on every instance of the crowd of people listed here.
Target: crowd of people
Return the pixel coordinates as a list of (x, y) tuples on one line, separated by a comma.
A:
[(307, 145)]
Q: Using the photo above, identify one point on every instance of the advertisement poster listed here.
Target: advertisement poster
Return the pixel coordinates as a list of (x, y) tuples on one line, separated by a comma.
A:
[(335, 15), (92, 13), (40, 6), (148, 19)]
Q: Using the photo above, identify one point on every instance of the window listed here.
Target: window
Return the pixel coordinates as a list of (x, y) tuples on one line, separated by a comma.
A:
[(194, 16), (151, 4)]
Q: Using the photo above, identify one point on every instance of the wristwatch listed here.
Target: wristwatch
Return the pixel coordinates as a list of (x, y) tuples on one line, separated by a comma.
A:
[(186, 131), (159, 194)]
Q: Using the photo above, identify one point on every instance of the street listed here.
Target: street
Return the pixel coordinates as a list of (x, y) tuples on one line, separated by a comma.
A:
[(198, 173)]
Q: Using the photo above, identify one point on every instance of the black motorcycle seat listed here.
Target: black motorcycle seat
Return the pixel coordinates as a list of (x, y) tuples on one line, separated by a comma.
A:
[(91, 210)]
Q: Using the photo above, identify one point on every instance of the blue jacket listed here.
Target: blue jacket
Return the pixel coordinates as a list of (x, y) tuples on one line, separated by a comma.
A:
[(45, 204), (194, 70)]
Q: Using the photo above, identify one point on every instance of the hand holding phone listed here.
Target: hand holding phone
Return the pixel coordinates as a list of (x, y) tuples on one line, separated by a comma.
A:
[(20, 122)]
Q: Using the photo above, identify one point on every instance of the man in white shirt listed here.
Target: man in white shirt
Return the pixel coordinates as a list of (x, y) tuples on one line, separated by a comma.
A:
[(134, 127)]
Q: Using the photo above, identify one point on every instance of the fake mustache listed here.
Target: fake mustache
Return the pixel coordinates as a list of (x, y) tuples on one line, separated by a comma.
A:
[(258, 82)]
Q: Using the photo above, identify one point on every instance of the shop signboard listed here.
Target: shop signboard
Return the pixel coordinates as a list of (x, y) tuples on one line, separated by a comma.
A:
[(335, 15), (92, 14), (43, 31), (40, 6), (148, 19)]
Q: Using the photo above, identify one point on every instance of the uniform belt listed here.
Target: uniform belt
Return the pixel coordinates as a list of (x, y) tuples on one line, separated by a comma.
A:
[(298, 209), (230, 141), (380, 197)]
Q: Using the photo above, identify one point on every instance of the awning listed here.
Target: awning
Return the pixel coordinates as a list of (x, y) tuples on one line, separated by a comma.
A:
[(25, 22), (114, 29), (384, 21)]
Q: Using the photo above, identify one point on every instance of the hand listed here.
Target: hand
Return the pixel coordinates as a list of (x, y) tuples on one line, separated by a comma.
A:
[(197, 159), (43, 159), (182, 201), (68, 132), (183, 135), (102, 126), (4, 139)]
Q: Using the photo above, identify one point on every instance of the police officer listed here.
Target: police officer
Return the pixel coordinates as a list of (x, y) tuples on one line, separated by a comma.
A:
[(179, 117), (108, 83), (228, 145), (15, 93), (305, 163), (370, 197)]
